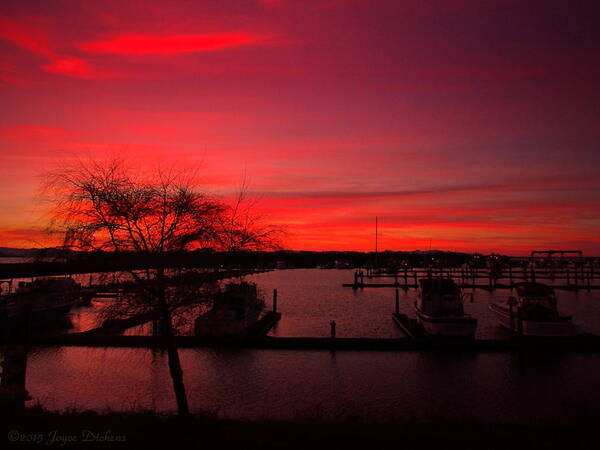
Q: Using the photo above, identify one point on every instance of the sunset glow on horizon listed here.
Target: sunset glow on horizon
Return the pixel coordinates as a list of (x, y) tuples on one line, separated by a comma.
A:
[(470, 125)]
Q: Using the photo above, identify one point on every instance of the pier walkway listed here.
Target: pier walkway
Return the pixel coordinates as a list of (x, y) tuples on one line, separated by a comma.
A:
[(586, 343)]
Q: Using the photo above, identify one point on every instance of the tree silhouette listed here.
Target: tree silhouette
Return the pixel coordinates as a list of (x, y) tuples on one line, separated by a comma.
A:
[(105, 205)]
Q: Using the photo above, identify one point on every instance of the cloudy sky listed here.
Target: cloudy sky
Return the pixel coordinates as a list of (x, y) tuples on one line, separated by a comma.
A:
[(473, 124)]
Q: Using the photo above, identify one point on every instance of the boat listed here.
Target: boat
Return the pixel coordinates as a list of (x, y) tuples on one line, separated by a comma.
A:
[(533, 312), (42, 299), (236, 308), (440, 309)]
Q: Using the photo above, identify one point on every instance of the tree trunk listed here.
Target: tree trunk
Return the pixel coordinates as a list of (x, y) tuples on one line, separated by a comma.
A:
[(172, 352), (13, 393)]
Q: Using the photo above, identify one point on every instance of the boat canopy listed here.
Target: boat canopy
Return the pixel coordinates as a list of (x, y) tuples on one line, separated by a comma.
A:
[(532, 289), (237, 295), (438, 285), (440, 297)]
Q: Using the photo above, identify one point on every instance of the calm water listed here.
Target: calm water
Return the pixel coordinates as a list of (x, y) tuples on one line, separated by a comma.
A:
[(310, 298), (334, 385), (305, 384)]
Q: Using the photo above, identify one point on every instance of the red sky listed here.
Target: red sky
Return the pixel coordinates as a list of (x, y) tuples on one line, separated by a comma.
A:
[(471, 123)]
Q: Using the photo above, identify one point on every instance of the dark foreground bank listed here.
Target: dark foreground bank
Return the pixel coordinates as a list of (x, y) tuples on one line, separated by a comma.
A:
[(39, 429)]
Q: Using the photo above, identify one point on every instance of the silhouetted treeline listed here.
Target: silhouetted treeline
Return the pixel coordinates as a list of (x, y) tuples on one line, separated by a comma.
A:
[(84, 262)]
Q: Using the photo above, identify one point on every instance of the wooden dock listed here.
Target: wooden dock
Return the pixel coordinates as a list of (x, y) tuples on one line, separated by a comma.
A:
[(470, 278), (579, 344), (118, 326), (485, 287)]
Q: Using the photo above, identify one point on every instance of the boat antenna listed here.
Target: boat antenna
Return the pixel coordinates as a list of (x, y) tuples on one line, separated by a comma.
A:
[(376, 242)]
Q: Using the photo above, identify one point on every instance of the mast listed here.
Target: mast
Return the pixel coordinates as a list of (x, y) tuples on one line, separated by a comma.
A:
[(376, 242)]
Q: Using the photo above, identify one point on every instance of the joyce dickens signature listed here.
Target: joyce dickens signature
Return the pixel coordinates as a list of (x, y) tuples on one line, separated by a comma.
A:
[(57, 438)]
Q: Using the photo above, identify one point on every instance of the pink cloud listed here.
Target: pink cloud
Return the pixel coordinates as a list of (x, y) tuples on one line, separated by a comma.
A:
[(141, 44), (75, 67), (36, 42)]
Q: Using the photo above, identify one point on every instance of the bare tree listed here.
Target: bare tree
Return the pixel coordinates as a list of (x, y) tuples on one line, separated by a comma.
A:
[(240, 228), (103, 205)]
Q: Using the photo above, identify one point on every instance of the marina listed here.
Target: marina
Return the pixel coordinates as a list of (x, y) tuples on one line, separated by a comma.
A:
[(326, 302), (294, 357), (305, 315)]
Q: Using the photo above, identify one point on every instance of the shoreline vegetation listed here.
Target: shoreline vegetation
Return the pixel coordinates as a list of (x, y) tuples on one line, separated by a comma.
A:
[(39, 428), (70, 262)]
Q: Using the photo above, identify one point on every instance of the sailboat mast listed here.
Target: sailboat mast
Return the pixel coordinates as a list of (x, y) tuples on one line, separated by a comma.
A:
[(376, 242)]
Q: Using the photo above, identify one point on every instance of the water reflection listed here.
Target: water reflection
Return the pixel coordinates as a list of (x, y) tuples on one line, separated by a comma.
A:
[(255, 384), (297, 384)]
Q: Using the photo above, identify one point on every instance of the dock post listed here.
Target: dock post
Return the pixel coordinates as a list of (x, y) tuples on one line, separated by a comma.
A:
[(156, 327), (362, 278), (397, 301), (274, 300), (332, 325), (396, 279), (405, 275)]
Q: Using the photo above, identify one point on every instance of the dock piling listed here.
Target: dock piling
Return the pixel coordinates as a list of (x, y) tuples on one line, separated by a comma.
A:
[(274, 300)]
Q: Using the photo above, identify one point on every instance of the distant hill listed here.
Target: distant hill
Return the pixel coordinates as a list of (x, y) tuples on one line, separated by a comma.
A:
[(29, 252), (18, 252)]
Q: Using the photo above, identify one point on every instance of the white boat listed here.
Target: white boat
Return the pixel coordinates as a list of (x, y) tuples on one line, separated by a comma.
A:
[(440, 309), (533, 312), (41, 299), (235, 309)]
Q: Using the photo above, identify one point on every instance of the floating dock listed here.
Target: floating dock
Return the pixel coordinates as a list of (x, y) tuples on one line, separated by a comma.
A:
[(467, 278), (578, 344)]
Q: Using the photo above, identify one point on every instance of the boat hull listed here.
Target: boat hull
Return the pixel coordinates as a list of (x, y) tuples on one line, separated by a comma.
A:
[(562, 326), (448, 326), (42, 310), (225, 323)]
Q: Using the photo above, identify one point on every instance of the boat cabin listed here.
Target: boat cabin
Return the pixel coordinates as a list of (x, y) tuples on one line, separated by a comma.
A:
[(47, 285), (536, 300), (236, 295), (440, 297), (235, 308)]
